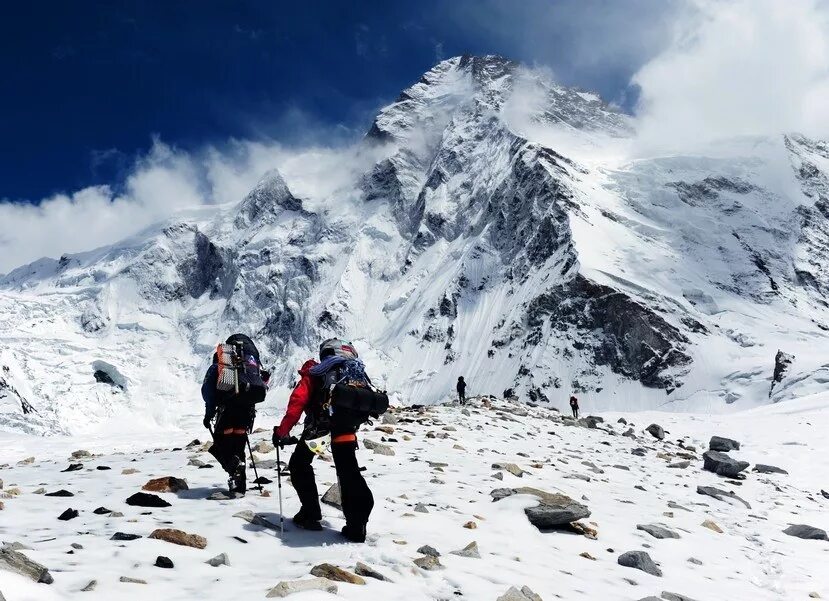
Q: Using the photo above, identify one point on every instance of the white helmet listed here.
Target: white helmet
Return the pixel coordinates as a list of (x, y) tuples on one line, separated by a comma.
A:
[(339, 348)]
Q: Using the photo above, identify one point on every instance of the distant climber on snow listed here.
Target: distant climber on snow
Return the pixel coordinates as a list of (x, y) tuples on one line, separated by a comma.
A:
[(574, 405), (461, 388), (337, 397), (234, 383)]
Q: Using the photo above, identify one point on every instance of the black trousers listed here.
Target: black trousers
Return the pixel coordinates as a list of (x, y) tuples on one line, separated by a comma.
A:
[(230, 439), (462, 397), (575, 412), (356, 496)]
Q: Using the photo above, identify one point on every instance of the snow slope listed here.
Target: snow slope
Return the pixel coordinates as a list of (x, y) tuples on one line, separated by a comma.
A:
[(750, 559), (492, 224)]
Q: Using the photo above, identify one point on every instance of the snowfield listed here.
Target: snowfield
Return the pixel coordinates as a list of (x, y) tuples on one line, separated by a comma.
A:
[(437, 483)]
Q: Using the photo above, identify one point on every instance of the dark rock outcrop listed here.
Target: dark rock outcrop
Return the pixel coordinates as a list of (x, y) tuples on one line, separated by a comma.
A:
[(723, 465)]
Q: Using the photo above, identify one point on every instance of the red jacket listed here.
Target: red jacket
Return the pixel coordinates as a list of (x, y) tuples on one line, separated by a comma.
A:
[(298, 401)]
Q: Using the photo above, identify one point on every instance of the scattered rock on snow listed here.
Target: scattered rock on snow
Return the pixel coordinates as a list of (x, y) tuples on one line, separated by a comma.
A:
[(525, 594), (768, 469), (332, 572), (362, 569), (15, 561), (332, 497), (73, 467), (289, 587), (720, 494), (723, 465), (640, 561), (69, 514), (428, 562), (659, 531), (378, 447), (179, 537), (124, 536), (806, 532), (59, 493), (132, 580), (428, 550), (656, 431), (90, 587), (719, 443), (165, 484), (512, 468), (711, 525), (554, 510), (470, 550), (143, 499), (163, 562), (220, 560), (675, 597)]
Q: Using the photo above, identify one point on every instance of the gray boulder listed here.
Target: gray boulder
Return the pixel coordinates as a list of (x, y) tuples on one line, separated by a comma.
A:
[(657, 531), (554, 510), (525, 594), (718, 443), (332, 497), (640, 561), (768, 469), (285, 588), (722, 465), (720, 495), (806, 532), (656, 431), (14, 561)]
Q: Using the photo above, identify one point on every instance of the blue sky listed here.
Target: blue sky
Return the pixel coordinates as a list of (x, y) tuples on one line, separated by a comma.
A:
[(86, 86)]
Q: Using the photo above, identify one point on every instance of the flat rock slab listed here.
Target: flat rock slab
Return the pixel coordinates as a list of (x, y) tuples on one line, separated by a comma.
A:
[(806, 532), (332, 572), (289, 587), (512, 468), (659, 531), (719, 443), (15, 561), (332, 497), (640, 561), (553, 511), (722, 465), (143, 499), (768, 469), (378, 447), (166, 484), (179, 537), (59, 493), (720, 495), (362, 569)]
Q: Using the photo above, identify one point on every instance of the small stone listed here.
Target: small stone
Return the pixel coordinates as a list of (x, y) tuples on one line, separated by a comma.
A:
[(498, 475), (656, 431), (163, 562), (132, 580), (124, 536), (427, 550), (814, 595), (525, 594), (81, 454), (289, 587), (143, 499), (129, 471), (196, 462), (90, 587), (680, 465), (640, 561), (332, 497), (362, 569), (332, 572), (69, 514), (73, 467), (263, 447), (711, 525), (220, 560), (378, 448), (102, 511), (720, 495), (768, 469), (179, 537), (39, 491), (385, 429), (165, 484), (806, 532), (470, 525), (722, 465), (470, 550), (718, 443), (587, 555), (675, 597), (694, 561), (428, 562), (421, 508), (512, 468), (116, 514), (103, 468), (59, 493), (657, 531)]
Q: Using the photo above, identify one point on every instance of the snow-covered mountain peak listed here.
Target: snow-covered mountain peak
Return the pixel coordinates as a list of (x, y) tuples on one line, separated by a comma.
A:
[(498, 235)]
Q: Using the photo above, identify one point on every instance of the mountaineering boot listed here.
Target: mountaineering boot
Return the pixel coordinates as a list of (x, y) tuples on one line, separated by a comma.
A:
[(356, 534), (238, 481), (300, 521)]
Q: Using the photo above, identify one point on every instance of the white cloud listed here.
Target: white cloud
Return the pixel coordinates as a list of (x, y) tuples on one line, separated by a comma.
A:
[(736, 68)]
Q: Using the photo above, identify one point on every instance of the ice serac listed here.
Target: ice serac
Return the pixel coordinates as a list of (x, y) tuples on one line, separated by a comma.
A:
[(499, 231)]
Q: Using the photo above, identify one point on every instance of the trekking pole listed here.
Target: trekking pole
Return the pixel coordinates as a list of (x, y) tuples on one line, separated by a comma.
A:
[(253, 462), (279, 487)]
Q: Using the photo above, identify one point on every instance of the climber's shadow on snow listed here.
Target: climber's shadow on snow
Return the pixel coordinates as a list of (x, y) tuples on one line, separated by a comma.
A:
[(202, 492), (293, 536)]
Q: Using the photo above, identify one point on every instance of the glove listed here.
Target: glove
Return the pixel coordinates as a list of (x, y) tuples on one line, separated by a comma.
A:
[(283, 441), (207, 422)]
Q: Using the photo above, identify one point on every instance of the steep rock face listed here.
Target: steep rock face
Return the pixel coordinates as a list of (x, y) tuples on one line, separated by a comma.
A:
[(497, 235)]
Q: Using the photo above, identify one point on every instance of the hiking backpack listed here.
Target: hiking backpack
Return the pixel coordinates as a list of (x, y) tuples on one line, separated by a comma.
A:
[(239, 378), (349, 394)]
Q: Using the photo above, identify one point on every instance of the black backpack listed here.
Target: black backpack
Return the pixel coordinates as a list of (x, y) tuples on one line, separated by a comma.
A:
[(348, 399), (239, 378)]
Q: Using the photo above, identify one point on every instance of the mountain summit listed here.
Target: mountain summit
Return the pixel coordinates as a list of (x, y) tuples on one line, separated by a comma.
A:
[(501, 232)]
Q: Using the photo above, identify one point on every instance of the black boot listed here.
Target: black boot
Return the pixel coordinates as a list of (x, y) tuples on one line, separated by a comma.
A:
[(300, 521), (238, 482), (354, 533)]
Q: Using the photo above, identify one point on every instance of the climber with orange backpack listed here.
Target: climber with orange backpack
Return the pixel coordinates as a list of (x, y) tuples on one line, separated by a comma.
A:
[(233, 385), (337, 397)]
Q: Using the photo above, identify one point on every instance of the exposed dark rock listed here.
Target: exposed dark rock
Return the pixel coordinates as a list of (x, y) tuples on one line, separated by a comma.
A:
[(656, 431), (553, 511), (123, 536), (720, 494), (362, 569), (639, 560), (657, 530), (102, 511), (782, 361), (69, 514), (806, 532), (73, 467), (14, 561), (723, 465), (428, 550), (59, 493), (675, 597), (163, 562), (768, 469), (143, 499), (718, 443)]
